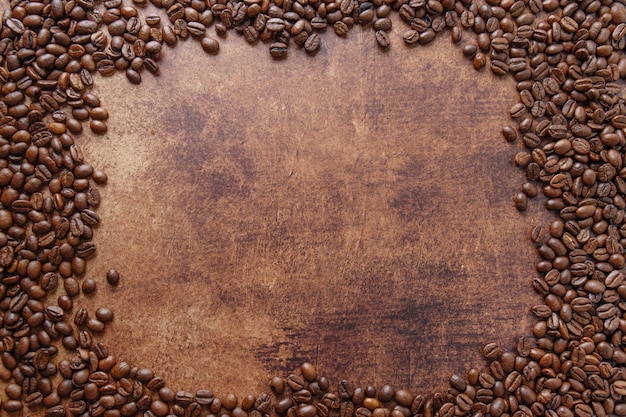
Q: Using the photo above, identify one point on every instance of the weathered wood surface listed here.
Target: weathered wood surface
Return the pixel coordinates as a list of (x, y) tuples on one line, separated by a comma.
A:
[(351, 209)]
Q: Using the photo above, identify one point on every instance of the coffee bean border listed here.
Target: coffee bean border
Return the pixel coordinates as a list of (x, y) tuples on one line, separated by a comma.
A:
[(567, 60)]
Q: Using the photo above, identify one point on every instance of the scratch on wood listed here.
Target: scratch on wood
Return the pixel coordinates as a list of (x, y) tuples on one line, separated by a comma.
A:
[(317, 355), (410, 370)]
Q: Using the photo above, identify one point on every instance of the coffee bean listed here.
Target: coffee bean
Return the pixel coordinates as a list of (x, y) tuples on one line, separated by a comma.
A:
[(308, 371), (98, 127), (210, 45), (341, 29), (99, 177), (159, 408), (509, 133), (295, 382), (278, 50), (133, 76), (521, 201), (88, 286), (113, 277), (427, 36), (12, 406), (382, 23), (383, 39), (491, 350), (275, 24), (312, 43), (470, 50)]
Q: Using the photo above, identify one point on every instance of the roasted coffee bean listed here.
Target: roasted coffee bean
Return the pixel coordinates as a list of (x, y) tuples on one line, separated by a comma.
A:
[(302, 396), (491, 351), (308, 371), (98, 127), (295, 382), (277, 385), (133, 76), (204, 397), (210, 45), (341, 29), (104, 314), (520, 201), (427, 36), (312, 43), (383, 39), (113, 277)]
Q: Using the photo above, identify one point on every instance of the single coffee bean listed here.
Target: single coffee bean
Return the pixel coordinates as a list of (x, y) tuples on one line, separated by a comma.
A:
[(341, 29), (210, 45), (133, 76), (521, 201), (88, 286), (295, 382), (479, 61), (312, 43), (383, 39), (113, 277), (509, 133), (383, 24), (98, 127), (308, 371), (278, 50), (427, 36)]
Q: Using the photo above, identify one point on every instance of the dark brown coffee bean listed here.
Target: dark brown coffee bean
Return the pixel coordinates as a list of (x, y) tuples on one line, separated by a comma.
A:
[(204, 397), (302, 396), (159, 408), (382, 23), (210, 45), (312, 43), (491, 351), (275, 24), (86, 250), (133, 76), (84, 339), (411, 37), (295, 382), (509, 133), (113, 277), (278, 50), (500, 68), (470, 50), (308, 371), (306, 411), (277, 385), (383, 39), (95, 325), (521, 201), (98, 127), (427, 36), (184, 398), (341, 29)]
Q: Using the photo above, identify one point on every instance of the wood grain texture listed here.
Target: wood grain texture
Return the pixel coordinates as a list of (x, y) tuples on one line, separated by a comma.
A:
[(351, 209)]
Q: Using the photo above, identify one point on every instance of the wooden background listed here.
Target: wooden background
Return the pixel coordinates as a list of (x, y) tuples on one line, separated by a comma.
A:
[(351, 209)]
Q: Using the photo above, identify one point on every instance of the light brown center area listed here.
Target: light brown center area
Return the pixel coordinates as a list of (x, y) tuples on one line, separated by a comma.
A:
[(352, 210)]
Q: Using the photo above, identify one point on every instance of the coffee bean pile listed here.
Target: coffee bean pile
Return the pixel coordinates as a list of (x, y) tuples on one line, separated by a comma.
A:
[(567, 59)]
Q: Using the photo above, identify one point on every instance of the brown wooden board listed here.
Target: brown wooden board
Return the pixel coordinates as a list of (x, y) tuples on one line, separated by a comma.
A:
[(351, 209)]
